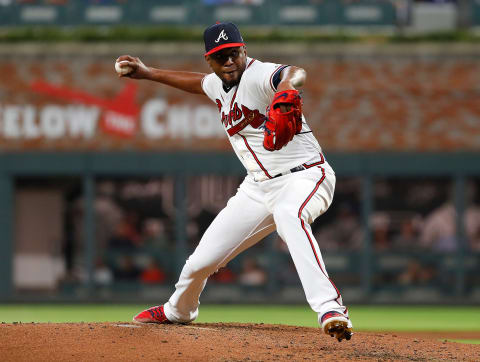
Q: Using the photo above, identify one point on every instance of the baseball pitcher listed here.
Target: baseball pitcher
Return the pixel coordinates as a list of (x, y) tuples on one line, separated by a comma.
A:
[(288, 184)]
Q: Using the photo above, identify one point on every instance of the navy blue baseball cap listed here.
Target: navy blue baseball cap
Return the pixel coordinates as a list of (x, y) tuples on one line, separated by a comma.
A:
[(220, 36)]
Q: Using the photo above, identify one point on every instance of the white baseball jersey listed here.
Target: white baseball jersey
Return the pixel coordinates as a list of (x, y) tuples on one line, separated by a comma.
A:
[(243, 109), (287, 204)]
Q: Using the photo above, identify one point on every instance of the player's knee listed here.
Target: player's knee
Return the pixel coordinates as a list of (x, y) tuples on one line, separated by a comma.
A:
[(283, 214), (196, 268), (284, 211)]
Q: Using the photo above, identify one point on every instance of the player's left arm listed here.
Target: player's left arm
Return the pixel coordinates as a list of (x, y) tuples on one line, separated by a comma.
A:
[(284, 115), (291, 78)]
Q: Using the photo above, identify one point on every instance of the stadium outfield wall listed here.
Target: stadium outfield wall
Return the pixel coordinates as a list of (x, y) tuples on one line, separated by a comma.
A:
[(358, 97)]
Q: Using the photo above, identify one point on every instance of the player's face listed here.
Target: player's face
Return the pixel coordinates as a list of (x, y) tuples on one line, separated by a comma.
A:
[(228, 64)]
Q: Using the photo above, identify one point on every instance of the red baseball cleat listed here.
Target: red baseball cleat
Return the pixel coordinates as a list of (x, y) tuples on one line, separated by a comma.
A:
[(152, 315), (337, 325)]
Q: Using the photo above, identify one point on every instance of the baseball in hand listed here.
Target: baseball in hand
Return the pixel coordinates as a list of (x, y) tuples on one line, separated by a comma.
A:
[(122, 68)]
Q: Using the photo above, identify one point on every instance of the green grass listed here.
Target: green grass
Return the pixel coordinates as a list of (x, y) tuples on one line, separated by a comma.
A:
[(194, 34), (366, 318)]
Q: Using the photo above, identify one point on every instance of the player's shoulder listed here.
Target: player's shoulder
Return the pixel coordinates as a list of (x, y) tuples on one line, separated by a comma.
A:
[(211, 82), (212, 79), (258, 71), (254, 66), (261, 75)]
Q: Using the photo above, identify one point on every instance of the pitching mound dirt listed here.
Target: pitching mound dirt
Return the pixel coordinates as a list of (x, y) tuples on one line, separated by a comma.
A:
[(218, 342)]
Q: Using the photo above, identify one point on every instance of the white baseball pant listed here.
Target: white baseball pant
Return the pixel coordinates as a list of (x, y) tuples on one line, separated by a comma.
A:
[(288, 203)]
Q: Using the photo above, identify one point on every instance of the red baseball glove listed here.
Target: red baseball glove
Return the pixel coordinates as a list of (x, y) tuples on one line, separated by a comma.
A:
[(280, 127)]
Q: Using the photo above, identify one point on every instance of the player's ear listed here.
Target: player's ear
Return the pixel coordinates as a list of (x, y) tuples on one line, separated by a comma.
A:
[(244, 49), (208, 60)]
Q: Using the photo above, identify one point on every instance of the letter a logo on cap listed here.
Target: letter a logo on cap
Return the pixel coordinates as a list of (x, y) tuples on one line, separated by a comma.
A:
[(226, 35), (222, 35)]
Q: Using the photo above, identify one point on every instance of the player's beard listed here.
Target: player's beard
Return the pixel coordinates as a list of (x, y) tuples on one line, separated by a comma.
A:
[(233, 80), (230, 84)]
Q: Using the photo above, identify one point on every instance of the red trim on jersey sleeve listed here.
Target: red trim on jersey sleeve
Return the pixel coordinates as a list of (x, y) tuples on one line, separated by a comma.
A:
[(255, 156), (249, 64), (273, 74)]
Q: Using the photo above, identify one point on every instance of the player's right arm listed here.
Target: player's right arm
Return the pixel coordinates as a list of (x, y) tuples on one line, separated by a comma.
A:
[(187, 81)]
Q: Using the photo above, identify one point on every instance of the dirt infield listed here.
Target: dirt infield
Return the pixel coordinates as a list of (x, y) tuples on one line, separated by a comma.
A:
[(219, 342)]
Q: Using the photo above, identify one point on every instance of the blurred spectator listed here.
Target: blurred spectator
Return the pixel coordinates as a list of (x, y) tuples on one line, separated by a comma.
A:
[(193, 234), (281, 245), (224, 276), (252, 274), (154, 234), (472, 226), (153, 274), (102, 275), (408, 238), (5, 2), (122, 237), (288, 275), (197, 226), (108, 215), (131, 224), (380, 222), (439, 231), (416, 274), (126, 269), (344, 232), (126, 234)]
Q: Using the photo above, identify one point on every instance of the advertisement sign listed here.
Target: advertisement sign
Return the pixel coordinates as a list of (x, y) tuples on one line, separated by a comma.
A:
[(78, 103)]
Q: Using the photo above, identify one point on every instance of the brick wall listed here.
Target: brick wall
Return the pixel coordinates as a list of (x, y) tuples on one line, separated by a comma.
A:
[(357, 98)]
